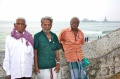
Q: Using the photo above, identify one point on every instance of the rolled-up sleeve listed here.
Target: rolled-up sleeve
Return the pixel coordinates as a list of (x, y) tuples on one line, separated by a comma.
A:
[(36, 42)]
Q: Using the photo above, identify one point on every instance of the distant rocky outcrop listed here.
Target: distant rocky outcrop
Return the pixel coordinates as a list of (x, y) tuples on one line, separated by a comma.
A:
[(86, 20), (105, 20)]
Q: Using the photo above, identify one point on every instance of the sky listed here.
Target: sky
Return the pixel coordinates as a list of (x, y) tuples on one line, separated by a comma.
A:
[(60, 10)]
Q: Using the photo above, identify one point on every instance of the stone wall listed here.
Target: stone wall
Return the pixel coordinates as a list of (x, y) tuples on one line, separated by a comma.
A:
[(2, 72), (104, 56)]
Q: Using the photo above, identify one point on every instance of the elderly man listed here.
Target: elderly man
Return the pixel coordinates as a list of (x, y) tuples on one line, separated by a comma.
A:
[(18, 52), (46, 51), (71, 40)]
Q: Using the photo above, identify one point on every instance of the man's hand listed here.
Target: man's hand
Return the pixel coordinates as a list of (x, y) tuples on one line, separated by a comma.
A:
[(37, 70), (57, 68), (8, 77)]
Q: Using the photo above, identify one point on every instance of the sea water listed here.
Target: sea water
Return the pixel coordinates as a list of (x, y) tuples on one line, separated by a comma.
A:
[(90, 29)]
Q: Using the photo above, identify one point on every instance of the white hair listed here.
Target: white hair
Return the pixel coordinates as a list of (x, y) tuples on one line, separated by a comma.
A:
[(21, 19)]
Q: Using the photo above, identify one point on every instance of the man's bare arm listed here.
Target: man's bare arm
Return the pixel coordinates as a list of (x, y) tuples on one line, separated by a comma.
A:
[(36, 62)]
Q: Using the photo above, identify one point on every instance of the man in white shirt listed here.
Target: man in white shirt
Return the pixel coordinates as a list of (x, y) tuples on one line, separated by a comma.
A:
[(18, 59)]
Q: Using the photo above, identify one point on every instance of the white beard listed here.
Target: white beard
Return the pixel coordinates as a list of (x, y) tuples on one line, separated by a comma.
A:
[(46, 31)]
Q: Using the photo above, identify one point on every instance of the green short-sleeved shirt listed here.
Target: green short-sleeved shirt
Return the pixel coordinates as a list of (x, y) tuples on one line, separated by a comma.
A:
[(46, 49)]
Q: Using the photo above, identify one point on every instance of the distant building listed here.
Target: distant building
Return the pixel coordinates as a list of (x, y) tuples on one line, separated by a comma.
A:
[(105, 20)]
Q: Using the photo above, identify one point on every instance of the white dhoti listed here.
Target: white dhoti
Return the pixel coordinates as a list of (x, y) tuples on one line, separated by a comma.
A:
[(47, 74)]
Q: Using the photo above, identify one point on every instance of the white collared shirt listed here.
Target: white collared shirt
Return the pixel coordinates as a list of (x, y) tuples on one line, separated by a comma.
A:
[(18, 60)]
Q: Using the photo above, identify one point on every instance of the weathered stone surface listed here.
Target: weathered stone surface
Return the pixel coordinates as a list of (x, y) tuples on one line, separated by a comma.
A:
[(2, 72), (104, 55), (64, 71)]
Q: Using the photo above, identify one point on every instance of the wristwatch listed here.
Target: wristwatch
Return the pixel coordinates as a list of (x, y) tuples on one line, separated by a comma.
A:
[(57, 62)]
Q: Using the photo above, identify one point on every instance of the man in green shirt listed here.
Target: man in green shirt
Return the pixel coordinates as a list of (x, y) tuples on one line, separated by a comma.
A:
[(46, 51)]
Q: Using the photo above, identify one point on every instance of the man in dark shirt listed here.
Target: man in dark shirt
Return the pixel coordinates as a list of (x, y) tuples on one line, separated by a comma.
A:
[(46, 51)]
